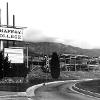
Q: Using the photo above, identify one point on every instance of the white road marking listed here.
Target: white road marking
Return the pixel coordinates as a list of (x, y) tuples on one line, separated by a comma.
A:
[(83, 90)]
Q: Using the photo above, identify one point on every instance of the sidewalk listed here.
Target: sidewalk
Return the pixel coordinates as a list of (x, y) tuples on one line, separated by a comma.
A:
[(13, 95)]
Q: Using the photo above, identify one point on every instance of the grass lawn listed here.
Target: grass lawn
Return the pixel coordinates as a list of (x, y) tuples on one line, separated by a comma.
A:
[(38, 77), (14, 87), (21, 87)]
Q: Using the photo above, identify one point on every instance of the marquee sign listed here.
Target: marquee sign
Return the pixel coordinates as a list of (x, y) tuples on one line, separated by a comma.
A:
[(11, 34)]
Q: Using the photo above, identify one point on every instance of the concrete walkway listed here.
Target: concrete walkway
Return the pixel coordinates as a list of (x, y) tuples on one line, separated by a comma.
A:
[(13, 95)]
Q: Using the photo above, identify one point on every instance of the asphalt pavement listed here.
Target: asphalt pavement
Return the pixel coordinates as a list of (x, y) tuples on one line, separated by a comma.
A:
[(62, 91), (51, 91)]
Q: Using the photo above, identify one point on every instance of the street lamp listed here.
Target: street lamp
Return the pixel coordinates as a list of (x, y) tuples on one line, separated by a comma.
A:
[(27, 44)]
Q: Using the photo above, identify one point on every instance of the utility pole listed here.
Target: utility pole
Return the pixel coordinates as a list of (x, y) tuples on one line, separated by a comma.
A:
[(27, 53), (27, 56), (7, 24)]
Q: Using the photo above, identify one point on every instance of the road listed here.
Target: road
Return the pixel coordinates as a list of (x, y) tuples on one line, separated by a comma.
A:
[(60, 91), (54, 91)]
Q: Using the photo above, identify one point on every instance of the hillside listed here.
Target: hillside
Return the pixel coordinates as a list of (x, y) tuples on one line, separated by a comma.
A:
[(49, 47)]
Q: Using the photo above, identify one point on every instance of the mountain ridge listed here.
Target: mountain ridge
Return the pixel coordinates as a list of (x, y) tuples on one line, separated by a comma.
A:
[(49, 47)]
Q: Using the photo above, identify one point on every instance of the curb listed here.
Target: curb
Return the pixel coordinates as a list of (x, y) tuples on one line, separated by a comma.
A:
[(85, 92), (22, 94), (30, 91)]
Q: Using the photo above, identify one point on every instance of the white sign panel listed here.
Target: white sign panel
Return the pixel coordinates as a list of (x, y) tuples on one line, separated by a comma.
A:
[(14, 55), (11, 34)]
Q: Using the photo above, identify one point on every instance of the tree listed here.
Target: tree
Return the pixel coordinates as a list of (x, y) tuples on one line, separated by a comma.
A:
[(7, 71), (1, 64), (55, 66)]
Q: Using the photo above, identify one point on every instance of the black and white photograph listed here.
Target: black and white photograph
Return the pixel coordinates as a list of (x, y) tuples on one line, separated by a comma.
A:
[(49, 49)]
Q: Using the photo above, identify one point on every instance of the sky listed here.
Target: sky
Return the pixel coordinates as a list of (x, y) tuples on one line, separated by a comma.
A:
[(72, 22)]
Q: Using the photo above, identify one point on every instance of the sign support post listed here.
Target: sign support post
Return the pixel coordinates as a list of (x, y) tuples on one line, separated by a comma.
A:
[(27, 53), (1, 45), (1, 42), (27, 56)]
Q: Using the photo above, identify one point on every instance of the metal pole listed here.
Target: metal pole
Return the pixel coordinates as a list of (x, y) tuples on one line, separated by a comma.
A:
[(27, 55), (0, 17), (13, 21), (75, 63), (47, 66), (7, 23), (70, 63), (1, 42), (7, 16), (46, 57), (13, 27), (1, 45)]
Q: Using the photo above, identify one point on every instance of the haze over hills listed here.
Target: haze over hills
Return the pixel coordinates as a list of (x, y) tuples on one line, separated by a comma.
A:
[(49, 47)]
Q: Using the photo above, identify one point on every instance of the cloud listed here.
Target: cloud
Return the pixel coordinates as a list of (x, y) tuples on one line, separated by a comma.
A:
[(35, 35)]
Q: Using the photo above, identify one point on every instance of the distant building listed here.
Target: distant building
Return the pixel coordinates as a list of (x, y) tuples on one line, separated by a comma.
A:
[(73, 62)]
